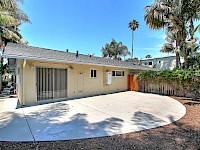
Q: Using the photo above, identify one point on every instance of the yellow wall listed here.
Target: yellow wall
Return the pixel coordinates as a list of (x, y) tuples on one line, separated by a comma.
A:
[(19, 78), (79, 82)]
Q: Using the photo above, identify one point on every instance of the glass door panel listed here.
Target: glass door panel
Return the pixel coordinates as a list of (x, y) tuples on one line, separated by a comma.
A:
[(44, 84), (51, 83), (60, 83)]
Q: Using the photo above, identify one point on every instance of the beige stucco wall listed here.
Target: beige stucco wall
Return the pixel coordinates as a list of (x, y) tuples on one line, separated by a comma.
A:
[(19, 78), (79, 82)]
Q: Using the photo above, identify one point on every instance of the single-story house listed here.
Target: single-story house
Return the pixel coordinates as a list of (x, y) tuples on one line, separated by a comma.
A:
[(51, 75)]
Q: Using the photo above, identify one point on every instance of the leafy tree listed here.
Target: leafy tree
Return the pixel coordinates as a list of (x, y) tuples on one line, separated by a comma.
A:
[(115, 50), (194, 61), (174, 16), (133, 25)]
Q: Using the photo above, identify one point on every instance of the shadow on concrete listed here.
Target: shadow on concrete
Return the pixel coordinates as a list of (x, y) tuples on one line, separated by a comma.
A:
[(7, 118), (55, 122), (13, 127), (49, 113), (145, 121)]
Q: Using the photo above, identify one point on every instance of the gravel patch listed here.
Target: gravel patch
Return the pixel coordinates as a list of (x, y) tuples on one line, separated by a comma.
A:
[(182, 134)]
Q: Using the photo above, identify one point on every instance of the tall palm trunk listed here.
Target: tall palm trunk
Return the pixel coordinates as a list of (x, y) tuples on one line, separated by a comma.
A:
[(1, 61), (177, 54), (132, 44), (191, 30)]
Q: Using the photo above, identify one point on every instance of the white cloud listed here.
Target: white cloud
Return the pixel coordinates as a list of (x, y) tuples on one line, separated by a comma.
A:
[(156, 47), (157, 35)]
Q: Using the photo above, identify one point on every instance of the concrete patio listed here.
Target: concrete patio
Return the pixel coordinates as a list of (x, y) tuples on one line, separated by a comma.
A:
[(97, 116)]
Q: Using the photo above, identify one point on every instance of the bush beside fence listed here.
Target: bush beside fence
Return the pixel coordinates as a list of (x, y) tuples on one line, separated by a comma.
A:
[(173, 83)]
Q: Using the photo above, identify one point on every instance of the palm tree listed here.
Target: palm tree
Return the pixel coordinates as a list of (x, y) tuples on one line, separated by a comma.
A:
[(148, 56), (167, 14), (192, 9), (133, 25), (170, 47), (173, 15), (125, 52), (11, 17), (114, 50)]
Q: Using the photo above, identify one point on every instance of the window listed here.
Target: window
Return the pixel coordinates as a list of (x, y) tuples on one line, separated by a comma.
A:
[(123, 73), (150, 63), (118, 73), (113, 73), (93, 73)]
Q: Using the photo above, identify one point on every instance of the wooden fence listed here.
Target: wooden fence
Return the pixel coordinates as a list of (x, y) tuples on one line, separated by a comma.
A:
[(157, 88)]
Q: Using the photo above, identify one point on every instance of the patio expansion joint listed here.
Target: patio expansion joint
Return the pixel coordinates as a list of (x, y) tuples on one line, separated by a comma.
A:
[(28, 125), (103, 112)]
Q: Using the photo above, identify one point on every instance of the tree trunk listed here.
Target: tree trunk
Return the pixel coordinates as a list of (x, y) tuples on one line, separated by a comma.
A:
[(1, 61), (177, 54), (132, 45), (191, 29)]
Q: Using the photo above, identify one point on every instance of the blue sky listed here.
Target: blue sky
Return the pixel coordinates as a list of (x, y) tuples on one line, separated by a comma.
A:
[(87, 25)]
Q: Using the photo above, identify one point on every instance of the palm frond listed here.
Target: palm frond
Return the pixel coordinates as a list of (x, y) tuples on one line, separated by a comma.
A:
[(11, 35), (7, 21), (167, 48)]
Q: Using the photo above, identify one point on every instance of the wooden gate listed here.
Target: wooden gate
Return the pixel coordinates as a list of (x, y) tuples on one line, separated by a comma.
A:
[(132, 83)]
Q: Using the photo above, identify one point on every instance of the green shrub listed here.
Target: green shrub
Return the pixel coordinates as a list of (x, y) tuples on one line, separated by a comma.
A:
[(186, 81)]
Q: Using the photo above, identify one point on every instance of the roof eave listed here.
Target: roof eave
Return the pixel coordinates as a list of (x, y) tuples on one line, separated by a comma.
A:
[(63, 61)]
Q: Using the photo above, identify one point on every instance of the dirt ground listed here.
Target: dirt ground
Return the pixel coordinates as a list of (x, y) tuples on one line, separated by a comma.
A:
[(183, 134)]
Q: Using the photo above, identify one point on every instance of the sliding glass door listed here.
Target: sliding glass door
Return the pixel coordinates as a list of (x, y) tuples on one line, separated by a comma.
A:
[(60, 83), (51, 83)]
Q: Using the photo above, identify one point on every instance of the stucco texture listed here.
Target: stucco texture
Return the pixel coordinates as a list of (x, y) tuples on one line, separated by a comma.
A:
[(79, 82)]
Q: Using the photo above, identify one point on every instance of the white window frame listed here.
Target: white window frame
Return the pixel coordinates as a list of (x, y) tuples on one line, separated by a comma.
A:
[(116, 73), (93, 73)]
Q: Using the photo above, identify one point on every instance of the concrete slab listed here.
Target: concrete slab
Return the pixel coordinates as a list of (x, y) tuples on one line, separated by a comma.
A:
[(97, 116), (14, 127), (7, 103), (13, 124), (70, 120)]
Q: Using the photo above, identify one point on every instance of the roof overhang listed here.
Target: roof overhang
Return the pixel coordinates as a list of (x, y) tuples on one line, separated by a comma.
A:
[(59, 60)]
